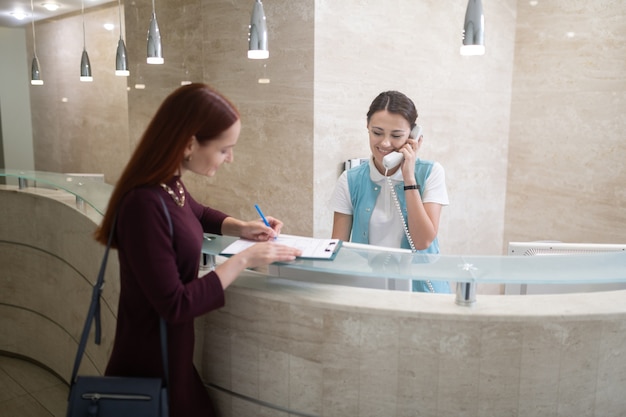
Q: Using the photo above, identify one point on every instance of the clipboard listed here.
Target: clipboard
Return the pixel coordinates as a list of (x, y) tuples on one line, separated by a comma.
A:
[(312, 248)]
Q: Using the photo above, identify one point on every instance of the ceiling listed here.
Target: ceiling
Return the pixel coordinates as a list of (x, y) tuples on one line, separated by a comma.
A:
[(65, 6)]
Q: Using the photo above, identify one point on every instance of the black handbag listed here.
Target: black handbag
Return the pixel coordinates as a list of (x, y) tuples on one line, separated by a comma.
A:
[(108, 396)]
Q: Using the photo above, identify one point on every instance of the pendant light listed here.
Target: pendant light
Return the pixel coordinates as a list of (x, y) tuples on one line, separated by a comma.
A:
[(257, 34), (121, 59), (35, 72), (474, 29), (155, 50), (85, 66)]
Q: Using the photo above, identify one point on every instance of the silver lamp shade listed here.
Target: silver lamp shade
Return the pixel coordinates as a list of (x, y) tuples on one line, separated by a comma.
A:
[(155, 50), (121, 60), (85, 68), (474, 29), (35, 73), (257, 36)]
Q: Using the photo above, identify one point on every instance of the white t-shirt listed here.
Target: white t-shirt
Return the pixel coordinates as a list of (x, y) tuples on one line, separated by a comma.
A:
[(386, 227)]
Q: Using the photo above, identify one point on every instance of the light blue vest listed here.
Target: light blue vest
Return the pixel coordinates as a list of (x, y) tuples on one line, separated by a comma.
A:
[(364, 193)]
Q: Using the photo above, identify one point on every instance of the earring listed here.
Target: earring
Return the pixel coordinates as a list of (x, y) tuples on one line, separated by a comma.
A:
[(188, 158)]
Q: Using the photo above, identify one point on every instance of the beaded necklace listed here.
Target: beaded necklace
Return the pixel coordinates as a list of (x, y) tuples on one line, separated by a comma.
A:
[(178, 198)]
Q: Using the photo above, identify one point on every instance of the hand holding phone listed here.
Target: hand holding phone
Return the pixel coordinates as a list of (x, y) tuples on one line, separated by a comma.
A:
[(394, 159)]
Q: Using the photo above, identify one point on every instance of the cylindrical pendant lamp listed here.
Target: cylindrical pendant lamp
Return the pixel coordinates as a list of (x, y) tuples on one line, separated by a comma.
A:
[(257, 35), (35, 71), (121, 58), (474, 29), (85, 68), (155, 49), (85, 65)]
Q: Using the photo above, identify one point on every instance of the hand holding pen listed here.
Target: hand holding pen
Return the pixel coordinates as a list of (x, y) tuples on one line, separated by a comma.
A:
[(258, 231), (270, 222)]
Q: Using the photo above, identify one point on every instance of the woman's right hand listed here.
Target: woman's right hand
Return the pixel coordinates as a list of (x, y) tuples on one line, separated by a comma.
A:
[(259, 254), (264, 253)]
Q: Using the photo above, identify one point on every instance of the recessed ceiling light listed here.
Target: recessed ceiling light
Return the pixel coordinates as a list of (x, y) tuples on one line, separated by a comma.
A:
[(533, 3), (109, 26), (51, 6), (19, 15)]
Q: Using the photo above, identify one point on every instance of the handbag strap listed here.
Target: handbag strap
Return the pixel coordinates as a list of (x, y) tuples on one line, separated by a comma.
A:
[(166, 371), (94, 308)]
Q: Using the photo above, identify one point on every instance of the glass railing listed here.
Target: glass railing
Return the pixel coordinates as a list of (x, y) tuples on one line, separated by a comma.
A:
[(88, 189), (375, 267), (361, 260), (382, 264)]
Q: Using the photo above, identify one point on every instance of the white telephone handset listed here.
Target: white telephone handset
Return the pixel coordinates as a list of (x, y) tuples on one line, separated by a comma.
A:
[(393, 159)]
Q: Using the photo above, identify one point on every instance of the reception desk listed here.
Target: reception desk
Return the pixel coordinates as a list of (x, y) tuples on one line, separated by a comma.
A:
[(294, 340)]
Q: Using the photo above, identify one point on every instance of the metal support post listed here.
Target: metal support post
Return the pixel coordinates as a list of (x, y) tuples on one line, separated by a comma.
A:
[(465, 293)]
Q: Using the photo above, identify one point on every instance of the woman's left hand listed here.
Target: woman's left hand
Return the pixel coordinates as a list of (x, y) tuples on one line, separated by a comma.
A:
[(409, 150), (257, 230)]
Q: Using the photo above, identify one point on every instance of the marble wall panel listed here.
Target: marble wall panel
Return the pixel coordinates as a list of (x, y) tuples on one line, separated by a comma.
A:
[(500, 355), (611, 354), (340, 377), (215, 334), (77, 126), (378, 365), (51, 260), (459, 344), (73, 242), (524, 132), (272, 163), (245, 370), (463, 103), (305, 392), (306, 328), (567, 119), (428, 357), (23, 332), (418, 367)]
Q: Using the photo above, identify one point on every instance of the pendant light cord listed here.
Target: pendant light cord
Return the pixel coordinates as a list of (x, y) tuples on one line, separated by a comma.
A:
[(119, 8), (82, 3), (429, 284), (32, 14)]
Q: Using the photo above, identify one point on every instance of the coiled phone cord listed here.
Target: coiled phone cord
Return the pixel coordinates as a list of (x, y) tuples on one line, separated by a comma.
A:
[(404, 225)]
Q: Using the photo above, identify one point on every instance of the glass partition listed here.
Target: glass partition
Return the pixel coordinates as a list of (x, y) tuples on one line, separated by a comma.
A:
[(377, 264), (87, 189)]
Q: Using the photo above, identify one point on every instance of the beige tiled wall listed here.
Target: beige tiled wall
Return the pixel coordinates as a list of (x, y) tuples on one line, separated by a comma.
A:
[(79, 127), (530, 134), (566, 174)]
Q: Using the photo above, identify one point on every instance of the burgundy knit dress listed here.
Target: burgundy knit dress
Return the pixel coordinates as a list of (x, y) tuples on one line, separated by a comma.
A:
[(159, 278)]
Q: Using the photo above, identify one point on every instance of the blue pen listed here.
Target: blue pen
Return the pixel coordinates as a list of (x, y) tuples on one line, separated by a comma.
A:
[(258, 209)]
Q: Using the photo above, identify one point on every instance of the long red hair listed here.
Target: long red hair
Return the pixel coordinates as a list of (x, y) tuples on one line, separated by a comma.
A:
[(194, 109)]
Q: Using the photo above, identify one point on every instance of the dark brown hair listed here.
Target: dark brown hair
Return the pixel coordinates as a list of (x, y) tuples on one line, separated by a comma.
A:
[(194, 109), (394, 102)]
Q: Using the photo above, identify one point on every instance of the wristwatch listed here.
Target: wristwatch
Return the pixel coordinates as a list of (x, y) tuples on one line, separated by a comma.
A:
[(412, 187)]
